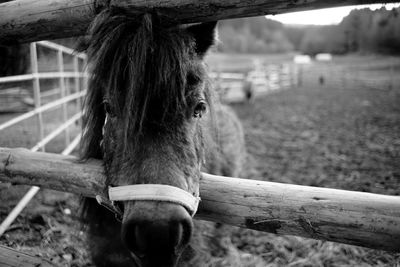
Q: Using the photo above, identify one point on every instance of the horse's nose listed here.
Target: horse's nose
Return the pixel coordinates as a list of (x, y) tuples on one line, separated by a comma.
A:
[(153, 228)]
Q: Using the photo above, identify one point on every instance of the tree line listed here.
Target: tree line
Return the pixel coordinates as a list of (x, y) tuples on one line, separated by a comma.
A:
[(362, 30)]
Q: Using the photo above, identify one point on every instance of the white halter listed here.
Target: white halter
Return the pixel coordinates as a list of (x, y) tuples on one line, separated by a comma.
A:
[(155, 192)]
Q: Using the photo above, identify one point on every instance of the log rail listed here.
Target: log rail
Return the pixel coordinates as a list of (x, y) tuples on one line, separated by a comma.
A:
[(13, 258), (27, 20), (356, 218)]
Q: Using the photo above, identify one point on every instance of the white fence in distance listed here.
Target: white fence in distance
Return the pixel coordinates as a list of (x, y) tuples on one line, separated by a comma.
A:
[(262, 80)]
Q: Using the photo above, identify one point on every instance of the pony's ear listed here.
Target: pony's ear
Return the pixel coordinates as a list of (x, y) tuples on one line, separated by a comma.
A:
[(204, 35), (82, 44)]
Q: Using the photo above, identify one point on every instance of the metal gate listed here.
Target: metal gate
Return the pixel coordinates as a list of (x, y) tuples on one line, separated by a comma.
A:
[(66, 95)]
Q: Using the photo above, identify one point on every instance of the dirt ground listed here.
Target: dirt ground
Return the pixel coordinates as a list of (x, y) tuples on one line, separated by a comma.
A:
[(342, 133)]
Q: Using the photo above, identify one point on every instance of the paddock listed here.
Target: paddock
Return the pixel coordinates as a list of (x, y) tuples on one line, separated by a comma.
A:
[(357, 218)]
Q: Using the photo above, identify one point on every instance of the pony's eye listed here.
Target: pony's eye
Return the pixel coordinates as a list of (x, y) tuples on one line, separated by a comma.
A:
[(107, 108), (200, 109), (192, 79)]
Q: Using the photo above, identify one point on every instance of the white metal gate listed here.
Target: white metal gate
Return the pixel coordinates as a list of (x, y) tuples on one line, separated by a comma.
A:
[(79, 85)]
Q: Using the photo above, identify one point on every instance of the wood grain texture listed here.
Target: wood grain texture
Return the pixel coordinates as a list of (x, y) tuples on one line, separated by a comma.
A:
[(63, 173), (12, 258), (357, 218), (26, 20)]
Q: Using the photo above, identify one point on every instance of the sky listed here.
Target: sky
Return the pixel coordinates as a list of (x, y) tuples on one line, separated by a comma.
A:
[(324, 16)]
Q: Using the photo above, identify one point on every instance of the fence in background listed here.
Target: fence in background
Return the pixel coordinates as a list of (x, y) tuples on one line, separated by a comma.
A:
[(64, 91), (262, 80), (357, 74)]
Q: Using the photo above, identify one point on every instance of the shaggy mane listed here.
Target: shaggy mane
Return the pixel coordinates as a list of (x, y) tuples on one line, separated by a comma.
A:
[(140, 67)]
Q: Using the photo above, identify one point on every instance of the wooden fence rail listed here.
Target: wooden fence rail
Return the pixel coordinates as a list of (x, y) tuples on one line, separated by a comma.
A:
[(26, 20), (13, 258), (356, 218)]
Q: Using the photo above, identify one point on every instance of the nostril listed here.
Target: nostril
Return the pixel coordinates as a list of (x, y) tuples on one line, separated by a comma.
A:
[(176, 234), (139, 241), (132, 239), (186, 226), (167, 232)]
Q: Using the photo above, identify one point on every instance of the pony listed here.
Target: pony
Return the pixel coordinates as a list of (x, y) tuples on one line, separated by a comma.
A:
[(151, 115)]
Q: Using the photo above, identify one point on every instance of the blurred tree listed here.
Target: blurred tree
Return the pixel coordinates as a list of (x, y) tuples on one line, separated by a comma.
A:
[(13, 58), (362, 30), (253, 35), (295, 34)]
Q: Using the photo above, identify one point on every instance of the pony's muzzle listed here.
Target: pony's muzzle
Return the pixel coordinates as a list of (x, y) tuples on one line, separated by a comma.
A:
[(156, 232)]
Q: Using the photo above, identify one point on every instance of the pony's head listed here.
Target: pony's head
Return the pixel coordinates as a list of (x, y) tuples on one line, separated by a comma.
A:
[(145, 117)]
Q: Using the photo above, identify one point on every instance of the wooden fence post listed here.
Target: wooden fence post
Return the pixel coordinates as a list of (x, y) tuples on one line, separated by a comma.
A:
[(356, 218), (12, 258), (26, 20)]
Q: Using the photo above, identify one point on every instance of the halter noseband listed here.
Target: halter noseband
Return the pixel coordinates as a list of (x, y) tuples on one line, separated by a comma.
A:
[(149, 192), (155, 192)]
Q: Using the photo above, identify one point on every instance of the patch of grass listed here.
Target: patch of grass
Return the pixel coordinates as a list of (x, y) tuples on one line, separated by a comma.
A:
[(338, 135)]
